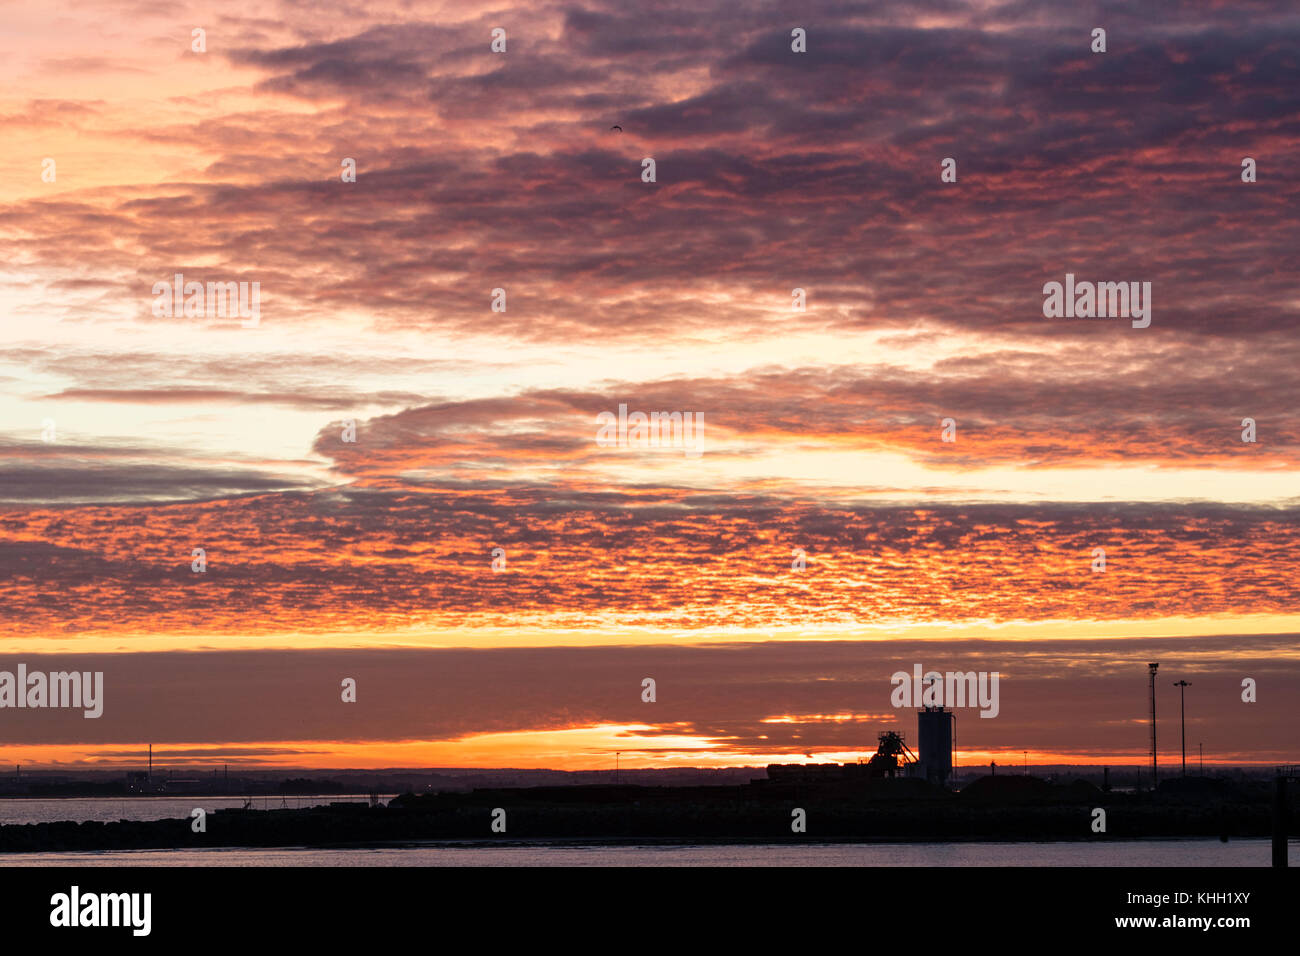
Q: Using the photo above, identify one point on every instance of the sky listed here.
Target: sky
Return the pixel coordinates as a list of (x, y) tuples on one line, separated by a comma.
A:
[(916, 467)]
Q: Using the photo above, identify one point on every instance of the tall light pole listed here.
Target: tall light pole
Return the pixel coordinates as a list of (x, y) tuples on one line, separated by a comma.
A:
[(1151, 670), (1182, 686), (617, 754)]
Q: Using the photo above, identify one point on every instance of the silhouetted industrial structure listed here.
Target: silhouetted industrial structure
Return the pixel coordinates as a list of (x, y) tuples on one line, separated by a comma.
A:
[(936, 734), (893, 758)]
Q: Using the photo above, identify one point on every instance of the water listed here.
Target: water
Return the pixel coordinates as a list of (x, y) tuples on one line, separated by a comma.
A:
[(1130, 853), (111, 809)]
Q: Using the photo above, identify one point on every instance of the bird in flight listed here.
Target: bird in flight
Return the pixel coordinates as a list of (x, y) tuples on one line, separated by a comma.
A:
[(619, 128)]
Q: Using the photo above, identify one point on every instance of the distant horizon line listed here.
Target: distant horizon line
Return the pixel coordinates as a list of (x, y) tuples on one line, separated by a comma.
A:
[(1141, 765)]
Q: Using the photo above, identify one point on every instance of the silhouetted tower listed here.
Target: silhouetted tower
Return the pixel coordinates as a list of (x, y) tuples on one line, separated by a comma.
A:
[(1151, 670), (936, 734), (1182, 686)]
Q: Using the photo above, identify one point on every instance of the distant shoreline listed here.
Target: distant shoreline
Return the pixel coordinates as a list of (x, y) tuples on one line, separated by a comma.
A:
[(1012, 810)]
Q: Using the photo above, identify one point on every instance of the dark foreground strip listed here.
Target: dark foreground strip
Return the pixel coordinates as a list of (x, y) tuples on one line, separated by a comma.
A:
[(647, 906)]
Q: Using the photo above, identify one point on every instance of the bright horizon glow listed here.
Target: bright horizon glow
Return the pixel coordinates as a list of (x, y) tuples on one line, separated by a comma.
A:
[(829, 526)]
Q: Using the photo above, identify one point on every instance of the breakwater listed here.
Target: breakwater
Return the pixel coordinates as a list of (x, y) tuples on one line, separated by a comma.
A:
[(903, 810)]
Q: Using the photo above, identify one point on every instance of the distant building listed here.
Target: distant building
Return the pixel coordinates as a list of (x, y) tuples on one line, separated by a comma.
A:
[(893, 758), (936, 732)]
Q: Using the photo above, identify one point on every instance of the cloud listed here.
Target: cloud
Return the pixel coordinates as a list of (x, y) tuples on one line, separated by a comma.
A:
[(62, 474), (775, 170), (376, 560), (745, 699)]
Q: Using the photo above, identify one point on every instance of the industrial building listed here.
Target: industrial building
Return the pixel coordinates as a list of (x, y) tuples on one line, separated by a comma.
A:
[(936, 733), (936, 736)]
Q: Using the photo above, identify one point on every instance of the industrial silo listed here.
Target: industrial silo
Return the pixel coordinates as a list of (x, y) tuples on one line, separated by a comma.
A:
[(936, 733)]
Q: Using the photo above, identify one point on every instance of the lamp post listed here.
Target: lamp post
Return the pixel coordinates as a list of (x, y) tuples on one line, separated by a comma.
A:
[(1151, 674), (1182, 686)]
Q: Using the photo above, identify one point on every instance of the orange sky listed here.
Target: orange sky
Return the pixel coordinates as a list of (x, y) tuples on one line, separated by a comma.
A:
[(350, 464)]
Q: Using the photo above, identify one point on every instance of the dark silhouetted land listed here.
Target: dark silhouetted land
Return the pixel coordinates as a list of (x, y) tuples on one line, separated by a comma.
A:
[(1009, 808)]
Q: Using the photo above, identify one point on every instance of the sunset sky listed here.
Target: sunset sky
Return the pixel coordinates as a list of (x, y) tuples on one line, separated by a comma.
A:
[(127, 439)]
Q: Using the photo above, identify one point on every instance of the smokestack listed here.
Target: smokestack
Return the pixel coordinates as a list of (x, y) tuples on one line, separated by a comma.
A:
[(1151, 670)]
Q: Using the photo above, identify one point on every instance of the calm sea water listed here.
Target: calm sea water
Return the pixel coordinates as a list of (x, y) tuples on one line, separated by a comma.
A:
[(112, 809), (1137, 853)]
